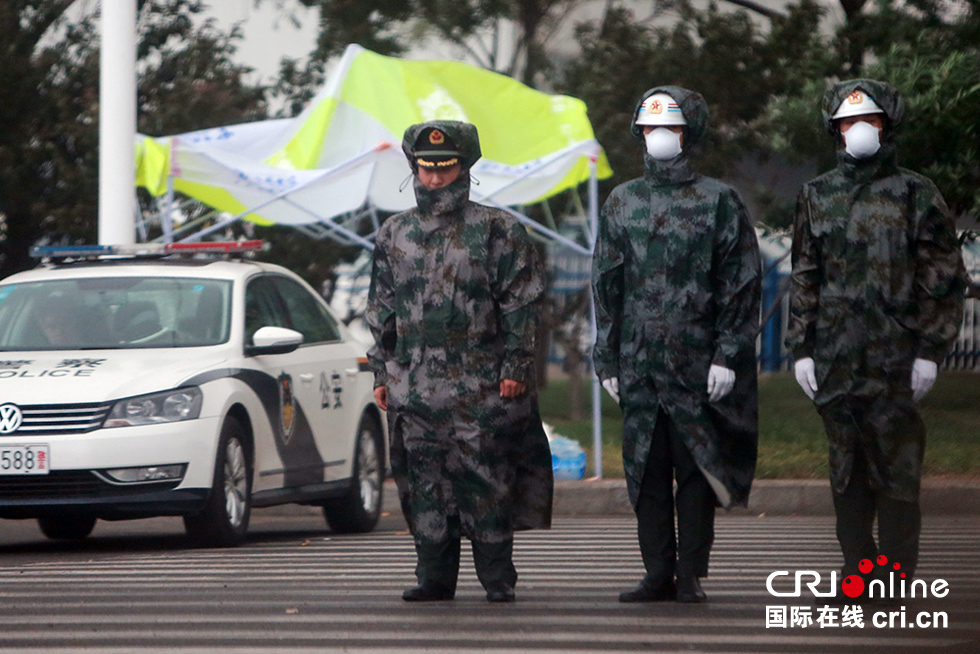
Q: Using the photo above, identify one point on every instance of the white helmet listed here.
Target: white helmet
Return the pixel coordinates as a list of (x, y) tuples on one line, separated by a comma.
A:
[(858, 103), (660, 109)]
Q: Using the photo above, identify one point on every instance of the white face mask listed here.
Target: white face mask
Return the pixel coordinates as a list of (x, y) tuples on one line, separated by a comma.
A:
[(663, 144), (861, 140)]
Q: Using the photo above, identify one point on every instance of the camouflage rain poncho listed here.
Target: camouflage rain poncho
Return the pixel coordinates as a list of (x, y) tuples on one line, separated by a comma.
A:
[(878, 281), (452, 307), (676, 277)]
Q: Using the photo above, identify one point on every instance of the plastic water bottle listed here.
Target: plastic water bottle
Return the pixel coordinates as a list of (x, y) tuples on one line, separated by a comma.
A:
[(567, 458)]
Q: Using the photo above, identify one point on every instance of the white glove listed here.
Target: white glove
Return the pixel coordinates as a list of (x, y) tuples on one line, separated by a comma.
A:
[(612, 387), (923, 377), (720, 382), (806, 377)]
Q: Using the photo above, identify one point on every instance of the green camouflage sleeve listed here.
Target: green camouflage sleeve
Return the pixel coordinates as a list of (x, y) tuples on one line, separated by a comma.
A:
[(518, 288), (380, 314), (607, 290), (737, 281), (940, 277), (806, 280)]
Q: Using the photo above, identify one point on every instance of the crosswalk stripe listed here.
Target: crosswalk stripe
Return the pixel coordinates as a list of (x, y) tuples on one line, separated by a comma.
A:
[(342, 593)]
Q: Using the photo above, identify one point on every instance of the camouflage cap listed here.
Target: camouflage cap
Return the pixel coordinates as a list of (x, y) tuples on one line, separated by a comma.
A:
[(441, 140)]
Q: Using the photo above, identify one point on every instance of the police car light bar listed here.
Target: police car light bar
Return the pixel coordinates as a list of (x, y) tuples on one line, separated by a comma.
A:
[(144, 249)]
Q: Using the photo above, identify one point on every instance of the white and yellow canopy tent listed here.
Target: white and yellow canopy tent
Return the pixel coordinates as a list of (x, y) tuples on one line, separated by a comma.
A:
[(342, 155)]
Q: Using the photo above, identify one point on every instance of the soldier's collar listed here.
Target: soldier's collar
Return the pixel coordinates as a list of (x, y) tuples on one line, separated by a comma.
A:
[(881, 164), (666, 173)]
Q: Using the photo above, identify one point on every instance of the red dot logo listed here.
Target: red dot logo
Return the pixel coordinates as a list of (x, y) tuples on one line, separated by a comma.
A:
[(882, 559), (896, 565), (852, 585), (865, 566)]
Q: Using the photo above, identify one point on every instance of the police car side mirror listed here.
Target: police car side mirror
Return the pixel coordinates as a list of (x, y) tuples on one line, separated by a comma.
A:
[(273, 340)]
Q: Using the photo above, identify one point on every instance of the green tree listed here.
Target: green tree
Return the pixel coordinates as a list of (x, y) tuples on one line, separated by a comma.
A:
[(27, 137), (507, 36), (764, 84), (932, 56), (49, 117), (189, 78), (738, 66), (941, 135)]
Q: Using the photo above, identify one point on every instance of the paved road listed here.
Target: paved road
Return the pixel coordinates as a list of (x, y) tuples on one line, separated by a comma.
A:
[(295, 588)]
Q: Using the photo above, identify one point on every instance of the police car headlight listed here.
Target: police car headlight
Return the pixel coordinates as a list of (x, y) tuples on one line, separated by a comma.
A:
[(171, 406), (151, 473)]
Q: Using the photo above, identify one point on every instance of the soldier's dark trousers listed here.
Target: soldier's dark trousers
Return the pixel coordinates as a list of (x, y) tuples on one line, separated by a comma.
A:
[(899, 523), (494, 563), (439, 562), (665, 555)]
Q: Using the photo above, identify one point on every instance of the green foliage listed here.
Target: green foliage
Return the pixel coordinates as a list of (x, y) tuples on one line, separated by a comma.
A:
[(188, 77), (605, 77), (49, 70), (941, 134), (30, 143), (737, 65), (931, 53), (796, 127), (370, 24)]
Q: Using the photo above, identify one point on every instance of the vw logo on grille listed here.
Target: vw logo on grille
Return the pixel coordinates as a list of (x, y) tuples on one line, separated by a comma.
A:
[(10, 418)]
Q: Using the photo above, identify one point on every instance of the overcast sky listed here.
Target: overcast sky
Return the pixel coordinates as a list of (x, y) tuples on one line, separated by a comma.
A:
[(268, 36)]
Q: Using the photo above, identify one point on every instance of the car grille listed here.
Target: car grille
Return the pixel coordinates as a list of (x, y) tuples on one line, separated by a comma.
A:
[(69, 484), (45, 419)]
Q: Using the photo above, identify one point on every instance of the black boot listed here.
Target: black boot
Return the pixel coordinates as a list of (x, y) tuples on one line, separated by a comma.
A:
[(651, 589), (437, 571), (689, 590), (498, 591), (495, 568), (428, 591)]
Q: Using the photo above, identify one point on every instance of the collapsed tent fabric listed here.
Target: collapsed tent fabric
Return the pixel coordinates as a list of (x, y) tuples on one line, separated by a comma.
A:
[(343, 150)]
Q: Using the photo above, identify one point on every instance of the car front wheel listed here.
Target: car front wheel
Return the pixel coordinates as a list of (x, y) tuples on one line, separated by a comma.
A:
[(360, 509), (224, 520)]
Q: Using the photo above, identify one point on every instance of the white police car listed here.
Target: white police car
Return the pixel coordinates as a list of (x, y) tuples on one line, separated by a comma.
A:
[(142, 386)]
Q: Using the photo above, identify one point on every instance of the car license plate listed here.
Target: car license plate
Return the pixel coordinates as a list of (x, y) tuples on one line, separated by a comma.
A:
[(24, 459)]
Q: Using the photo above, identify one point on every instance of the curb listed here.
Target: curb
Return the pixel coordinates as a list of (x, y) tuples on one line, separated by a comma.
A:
[(805, 497), (810, 497)]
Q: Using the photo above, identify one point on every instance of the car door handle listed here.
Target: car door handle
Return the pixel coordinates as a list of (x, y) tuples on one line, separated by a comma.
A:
[(306, 378), (352, 372)]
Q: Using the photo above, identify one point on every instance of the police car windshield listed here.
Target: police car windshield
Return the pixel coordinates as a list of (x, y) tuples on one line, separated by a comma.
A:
[(98, 313)]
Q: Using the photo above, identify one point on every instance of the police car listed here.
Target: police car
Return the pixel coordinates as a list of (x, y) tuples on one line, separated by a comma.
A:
[(148, 384)]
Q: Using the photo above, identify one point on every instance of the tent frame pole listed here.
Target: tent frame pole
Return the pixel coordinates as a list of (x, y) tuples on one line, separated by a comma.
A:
[(596, 384)]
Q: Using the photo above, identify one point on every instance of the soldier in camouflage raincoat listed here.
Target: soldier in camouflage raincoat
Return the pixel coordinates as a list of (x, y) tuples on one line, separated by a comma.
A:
[(452, 307), (878, 285), (676, 278)]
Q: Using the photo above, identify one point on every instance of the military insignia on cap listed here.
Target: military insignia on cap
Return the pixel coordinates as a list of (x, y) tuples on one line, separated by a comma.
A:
[(856, 97), (436, 137)]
